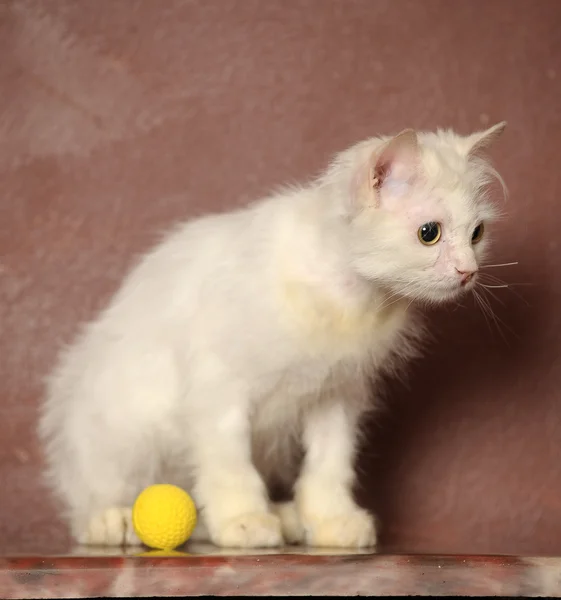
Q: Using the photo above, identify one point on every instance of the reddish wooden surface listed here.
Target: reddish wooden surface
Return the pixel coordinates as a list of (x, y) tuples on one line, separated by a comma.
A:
[(222, 574)]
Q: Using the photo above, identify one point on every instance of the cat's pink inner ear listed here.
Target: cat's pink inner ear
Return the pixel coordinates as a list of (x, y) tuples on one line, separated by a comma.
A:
[(480, 140), (399, 157)]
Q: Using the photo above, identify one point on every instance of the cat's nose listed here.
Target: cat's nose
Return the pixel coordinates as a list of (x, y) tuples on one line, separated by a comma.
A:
[(466, 276)]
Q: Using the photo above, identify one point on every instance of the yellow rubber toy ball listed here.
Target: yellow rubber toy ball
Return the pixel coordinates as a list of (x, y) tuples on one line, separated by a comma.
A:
[(164, 516)]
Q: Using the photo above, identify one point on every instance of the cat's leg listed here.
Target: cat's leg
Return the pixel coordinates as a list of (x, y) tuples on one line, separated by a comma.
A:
[(278, 456), (97, 473), (100, 510), (233, 497), (102, 496), (292, 529), (323, 493), (104, 408), (108, 527)]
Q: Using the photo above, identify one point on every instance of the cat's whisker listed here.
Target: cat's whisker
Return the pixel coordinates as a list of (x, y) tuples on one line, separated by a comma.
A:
[(494, 295), (491, 278), (386, 302), (396, 296), (508, 264), (483, 305), (483, 311), (457, 305), (488, 311), (497, 282), (410, 303), (513, 285), (497, 319), (494, 279)]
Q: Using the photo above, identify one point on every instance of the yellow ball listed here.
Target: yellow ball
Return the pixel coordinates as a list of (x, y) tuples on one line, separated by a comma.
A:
[(164, 516)]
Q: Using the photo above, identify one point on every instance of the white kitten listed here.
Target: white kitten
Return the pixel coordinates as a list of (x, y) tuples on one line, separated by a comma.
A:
[(242, 350)]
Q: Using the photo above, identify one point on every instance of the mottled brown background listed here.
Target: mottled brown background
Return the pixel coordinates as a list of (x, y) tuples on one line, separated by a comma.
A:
[(118, 117)]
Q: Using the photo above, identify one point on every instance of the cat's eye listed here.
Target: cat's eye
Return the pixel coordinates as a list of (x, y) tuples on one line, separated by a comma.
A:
[(429, 233), (477, 233)]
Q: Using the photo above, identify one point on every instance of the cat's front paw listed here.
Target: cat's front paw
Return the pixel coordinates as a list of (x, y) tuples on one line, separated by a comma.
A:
[(354, 529), (252, 530), (111, 527)]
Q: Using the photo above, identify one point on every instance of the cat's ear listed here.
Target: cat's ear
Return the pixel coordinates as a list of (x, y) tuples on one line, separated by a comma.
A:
[(397, 159), (481, 140)]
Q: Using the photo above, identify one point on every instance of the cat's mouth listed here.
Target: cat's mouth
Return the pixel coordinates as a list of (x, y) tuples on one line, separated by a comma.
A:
[(449, 293), (468, 285)]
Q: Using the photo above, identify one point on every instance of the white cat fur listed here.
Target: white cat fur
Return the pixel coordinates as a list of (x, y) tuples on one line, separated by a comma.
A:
[(248, 340)]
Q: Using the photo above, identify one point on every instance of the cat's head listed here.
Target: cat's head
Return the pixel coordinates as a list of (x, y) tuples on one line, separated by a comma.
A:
[(420, 212)]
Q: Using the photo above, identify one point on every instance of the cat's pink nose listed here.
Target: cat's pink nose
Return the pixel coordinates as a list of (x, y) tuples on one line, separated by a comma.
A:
[(466, 276)]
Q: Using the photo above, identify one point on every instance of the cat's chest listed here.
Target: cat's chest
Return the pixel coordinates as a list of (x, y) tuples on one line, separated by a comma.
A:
[(328, 329), (328, 352), (289, 394)]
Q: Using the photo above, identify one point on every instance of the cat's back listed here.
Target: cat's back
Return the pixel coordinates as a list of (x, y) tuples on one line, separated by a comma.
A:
[(192, 261), (199, 266), (157, 311)]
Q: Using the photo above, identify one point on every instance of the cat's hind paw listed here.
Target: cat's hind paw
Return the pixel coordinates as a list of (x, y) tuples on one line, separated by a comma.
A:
[(111, 527)]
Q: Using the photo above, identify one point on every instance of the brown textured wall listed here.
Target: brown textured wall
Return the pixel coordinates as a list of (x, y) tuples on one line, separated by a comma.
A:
[(118, 117)]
